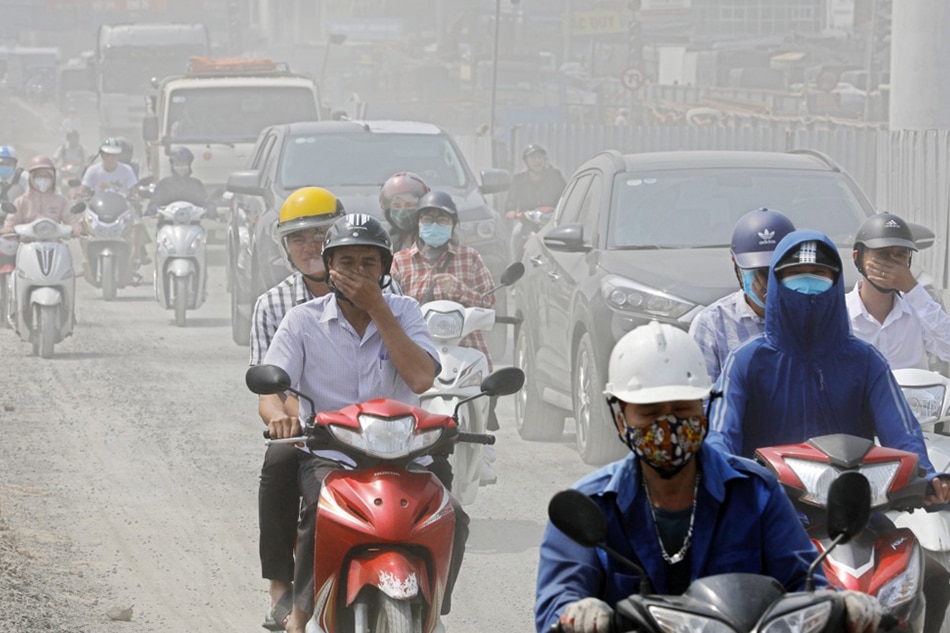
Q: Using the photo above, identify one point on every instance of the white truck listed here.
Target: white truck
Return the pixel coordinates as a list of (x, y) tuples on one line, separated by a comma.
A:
[(129, 56), (217, 109)]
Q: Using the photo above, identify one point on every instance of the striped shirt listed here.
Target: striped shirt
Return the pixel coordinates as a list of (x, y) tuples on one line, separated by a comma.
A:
[(723, 326), (269, 311)]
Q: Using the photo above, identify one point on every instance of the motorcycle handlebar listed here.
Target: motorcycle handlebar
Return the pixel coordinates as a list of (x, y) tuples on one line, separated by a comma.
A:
[(476, 438)]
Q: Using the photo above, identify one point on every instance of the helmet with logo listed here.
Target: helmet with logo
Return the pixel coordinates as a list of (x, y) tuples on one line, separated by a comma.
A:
[(307, 208), (812, 252), (110, 146), (656, 362), (533, 148), (358, 229), (883, 230), (756, 235), (440, 201)]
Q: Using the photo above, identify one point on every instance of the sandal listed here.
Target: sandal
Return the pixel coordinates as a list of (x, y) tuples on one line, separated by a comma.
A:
[(276, 619)]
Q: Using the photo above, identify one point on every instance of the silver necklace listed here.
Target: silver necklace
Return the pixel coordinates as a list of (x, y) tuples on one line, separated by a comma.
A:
[(680, 555)]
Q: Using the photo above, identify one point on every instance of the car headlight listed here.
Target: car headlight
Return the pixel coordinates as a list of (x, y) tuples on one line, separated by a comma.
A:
[(817, 478), (477, 230), (386, 438), (925, 402), (628, 296), (445, 325), (904, 587), (675, 621), (810, 619)]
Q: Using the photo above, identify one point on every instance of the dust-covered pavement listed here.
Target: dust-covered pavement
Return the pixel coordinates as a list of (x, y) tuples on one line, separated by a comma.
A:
[(128, 479)]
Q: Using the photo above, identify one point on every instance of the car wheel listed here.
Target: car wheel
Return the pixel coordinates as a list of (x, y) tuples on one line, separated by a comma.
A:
[(535, 419), (596, 436)]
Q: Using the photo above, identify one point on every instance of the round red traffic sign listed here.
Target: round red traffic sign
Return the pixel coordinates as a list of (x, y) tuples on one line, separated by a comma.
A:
[(631, 78)]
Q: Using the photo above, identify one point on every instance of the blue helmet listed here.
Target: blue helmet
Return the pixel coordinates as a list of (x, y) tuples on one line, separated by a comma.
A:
[(8, 151), (756, 235)]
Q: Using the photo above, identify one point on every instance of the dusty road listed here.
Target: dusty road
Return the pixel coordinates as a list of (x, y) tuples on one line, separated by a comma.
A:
[(128, 477)]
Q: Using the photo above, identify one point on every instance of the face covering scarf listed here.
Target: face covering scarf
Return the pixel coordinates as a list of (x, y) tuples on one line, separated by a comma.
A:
[(668, 443)]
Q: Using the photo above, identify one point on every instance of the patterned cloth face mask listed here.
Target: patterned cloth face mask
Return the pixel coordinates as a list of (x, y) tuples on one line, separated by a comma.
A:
[(668, 443)]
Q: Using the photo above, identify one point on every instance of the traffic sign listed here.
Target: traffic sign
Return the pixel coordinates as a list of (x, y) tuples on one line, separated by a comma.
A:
[(631, 78)]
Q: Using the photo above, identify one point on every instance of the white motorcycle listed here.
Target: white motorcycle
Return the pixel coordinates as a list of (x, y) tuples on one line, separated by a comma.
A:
[(458, 386), (9, 243), (44, 284), (928, 394), (181, 271)]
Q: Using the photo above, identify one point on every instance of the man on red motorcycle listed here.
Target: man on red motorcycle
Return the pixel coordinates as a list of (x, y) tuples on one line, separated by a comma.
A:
[(351, 345), (809, 375), (678, 506)]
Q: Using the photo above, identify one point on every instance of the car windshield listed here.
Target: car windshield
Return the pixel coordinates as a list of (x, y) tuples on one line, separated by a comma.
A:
[(698, 208), (235, 113), (335, 160), (130, 70)]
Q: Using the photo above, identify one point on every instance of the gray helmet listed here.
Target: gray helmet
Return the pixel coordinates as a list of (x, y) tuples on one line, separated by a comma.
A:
[(882, 230)]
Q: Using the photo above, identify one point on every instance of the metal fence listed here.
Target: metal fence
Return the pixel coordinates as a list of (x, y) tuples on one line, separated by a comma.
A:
[(903, 172)]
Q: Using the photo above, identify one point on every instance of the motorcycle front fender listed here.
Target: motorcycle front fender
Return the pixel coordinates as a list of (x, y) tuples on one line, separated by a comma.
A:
[(181, 267), (398, 574), (46, 296), (932, 529)]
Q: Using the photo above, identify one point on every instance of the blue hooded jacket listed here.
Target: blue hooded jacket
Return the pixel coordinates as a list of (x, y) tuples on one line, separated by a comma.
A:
[(807, 375)]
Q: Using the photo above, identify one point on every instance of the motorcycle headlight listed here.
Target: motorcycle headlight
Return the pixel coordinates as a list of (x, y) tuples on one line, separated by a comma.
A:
[(45, 230), (444, 325), (925, 402), (166, 244), (627, 296), (817, 478), (810, 619), (904, 587), (386, 438), (674, 621)]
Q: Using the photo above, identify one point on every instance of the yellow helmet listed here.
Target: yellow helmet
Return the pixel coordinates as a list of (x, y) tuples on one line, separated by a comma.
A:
[(307, 208)]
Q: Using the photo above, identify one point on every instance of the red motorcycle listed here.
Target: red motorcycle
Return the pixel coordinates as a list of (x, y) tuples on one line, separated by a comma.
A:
[(883, 560), (384, 529)]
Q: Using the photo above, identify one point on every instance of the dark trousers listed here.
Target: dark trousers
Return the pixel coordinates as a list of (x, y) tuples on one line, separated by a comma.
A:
[(937, 593), (278, 504), (313, 470)]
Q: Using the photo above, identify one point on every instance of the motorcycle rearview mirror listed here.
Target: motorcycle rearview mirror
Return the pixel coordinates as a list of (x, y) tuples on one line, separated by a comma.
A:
[(7, 207), (849, 508), (503, 382), (510, 275), (74, 182), (581, 520), (266, 380), (77, 208)]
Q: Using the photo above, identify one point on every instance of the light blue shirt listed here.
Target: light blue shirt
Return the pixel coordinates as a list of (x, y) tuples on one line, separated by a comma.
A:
[(328, 361), (723, 326)]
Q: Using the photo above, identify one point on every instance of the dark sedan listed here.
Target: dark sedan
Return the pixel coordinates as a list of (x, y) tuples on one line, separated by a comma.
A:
[(646, 236)]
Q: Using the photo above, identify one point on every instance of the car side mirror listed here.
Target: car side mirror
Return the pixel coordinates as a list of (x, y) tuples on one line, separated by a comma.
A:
[(247, 182), (568, 238), (495, 180)]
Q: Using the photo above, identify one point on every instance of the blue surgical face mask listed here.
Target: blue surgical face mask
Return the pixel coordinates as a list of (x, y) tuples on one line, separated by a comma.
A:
[(807, 283), (748, 277), (435, 235), (6, 171)]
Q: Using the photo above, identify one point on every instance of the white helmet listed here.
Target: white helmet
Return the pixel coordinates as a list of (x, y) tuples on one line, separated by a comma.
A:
[(656, 363)]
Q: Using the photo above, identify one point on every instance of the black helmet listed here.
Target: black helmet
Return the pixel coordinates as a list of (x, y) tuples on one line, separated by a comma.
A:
[(358, 229), (533, 149), (108, 205), (882, 230), (755, 236), (810, 252), (181, 155), (441, 201)]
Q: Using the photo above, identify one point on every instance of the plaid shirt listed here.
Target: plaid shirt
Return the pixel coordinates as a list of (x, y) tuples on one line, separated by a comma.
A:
[(414, 274)]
